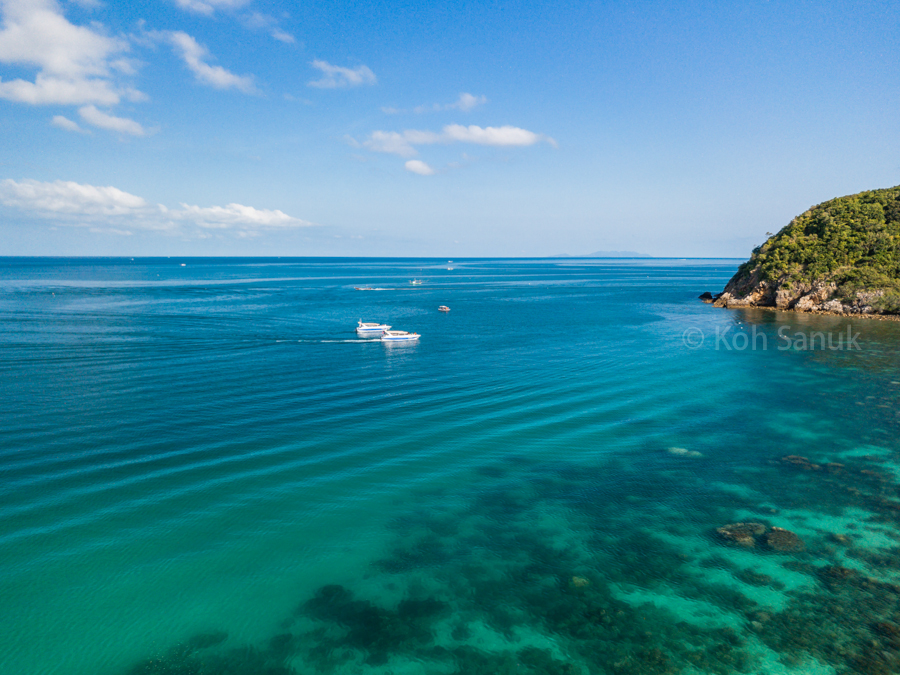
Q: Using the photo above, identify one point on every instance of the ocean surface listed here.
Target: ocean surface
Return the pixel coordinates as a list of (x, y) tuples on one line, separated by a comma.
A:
[(205, 471)]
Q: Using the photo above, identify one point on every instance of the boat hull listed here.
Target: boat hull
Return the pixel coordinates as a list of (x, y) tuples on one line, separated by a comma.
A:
[(373, 329)]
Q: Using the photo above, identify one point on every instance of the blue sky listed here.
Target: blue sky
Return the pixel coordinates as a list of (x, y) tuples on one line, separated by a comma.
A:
[(233, 127)]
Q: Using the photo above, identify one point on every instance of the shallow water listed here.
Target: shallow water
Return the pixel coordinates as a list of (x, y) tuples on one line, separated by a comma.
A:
[(206, 471)]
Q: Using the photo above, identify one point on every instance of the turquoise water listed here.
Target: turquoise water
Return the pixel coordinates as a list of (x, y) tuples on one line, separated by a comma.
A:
[(206, 471)]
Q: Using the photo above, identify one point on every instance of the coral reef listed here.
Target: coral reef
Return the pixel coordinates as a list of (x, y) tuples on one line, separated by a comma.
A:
[(565, 599)]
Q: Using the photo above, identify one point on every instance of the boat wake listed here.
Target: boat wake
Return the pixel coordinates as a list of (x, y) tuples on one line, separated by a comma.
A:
[(322, 342)]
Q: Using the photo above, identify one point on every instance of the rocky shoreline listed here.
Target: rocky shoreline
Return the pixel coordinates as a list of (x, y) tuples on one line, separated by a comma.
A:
[(822, 309)]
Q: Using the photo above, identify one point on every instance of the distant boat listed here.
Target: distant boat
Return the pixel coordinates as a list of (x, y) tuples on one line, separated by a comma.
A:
[(415, 282), (371, 328), (398, 336), (363, 288), (449, 269), (443, 308)]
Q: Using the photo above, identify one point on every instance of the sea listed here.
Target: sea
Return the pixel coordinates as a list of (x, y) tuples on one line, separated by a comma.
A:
[(579, 469)]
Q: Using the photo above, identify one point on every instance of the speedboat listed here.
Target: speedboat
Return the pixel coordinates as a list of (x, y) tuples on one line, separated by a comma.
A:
[(398, 336), (443, 308), (370, 328), (415, 282)]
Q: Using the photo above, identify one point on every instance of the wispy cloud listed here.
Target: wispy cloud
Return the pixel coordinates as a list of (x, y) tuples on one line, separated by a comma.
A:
[(103, 120), (400, 143), (208, 7), (260, 21), (334, 77), (61, 122), (88, 4), (464, 103), (108, 207), (194, 56), (403, 143), (75, 64), (282, 36), (419, 167)]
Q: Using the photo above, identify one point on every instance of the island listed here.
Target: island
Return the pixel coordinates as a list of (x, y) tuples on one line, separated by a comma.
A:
[(839, 257)]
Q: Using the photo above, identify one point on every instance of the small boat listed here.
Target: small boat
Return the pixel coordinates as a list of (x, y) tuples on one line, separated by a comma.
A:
[(371, 328), (363, 288), (415, 282), (398, 336), (443, 308)]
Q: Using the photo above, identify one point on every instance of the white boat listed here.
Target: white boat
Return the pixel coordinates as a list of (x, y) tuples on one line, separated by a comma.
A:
[(398, 336), (443, 308), (371, 328), (415, 282)]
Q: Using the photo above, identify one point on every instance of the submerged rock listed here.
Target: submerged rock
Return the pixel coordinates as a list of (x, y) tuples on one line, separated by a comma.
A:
[(751, 535), (741, 534), (800, 462), (207, 640), (683, 452), (779, 539), (835, 576)]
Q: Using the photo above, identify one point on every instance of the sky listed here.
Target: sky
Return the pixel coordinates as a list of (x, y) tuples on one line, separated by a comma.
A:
[(454, 129)]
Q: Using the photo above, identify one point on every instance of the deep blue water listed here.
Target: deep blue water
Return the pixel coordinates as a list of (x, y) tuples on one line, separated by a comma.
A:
[(203, 447)]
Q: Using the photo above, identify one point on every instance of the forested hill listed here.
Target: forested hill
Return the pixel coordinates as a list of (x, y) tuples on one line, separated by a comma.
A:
[(840, 256)]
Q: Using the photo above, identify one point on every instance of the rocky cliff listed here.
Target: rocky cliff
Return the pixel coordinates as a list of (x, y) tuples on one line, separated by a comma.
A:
[(842, 256)]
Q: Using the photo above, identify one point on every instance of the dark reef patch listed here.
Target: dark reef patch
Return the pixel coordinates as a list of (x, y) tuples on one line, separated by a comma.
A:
[(543, 553)]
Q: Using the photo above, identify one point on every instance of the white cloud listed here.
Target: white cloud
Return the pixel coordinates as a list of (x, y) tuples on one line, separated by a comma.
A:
[(419, 167), (69, 198), (75, 63), (237, 216), (402, 143), (335, 76), (100, 119), (505, 135), (465, 103), (208, 7), (193, 54), (65, 123), (110, 209)]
